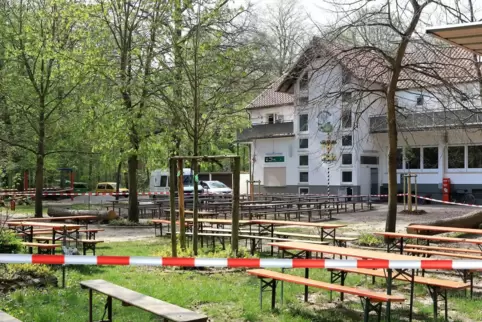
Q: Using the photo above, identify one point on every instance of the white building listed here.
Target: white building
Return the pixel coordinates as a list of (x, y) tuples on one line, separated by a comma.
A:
[(439, 125)]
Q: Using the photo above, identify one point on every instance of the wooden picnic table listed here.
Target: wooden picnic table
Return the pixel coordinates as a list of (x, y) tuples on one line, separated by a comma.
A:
[(400, 239), (441, 229), (307, 250), (60, 231), (77, 219), (201, 213)]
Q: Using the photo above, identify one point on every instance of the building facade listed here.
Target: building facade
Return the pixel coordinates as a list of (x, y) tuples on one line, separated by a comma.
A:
[(323, 126)]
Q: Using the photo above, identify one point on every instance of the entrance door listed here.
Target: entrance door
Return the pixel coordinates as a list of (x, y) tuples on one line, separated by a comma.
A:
[(374, 181)]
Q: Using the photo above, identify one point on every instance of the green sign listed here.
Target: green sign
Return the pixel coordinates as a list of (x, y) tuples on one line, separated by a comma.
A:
[(274, 159)]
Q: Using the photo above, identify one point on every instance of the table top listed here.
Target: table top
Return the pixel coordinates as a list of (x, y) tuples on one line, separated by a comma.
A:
[(44, 224), (166, 310), (344, 251), (218, 221), (83, 217), (446, 229), (200, 212), (430, 237), (296, 223)]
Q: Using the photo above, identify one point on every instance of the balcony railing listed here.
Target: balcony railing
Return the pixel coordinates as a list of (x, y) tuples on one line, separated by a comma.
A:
[(421, 121), (265, 131)]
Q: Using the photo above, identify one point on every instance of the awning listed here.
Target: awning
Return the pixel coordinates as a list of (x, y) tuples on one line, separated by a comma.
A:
[(466, 35)]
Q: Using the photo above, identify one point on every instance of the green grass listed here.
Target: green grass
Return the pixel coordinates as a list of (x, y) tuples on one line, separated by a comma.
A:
[(222, 295)]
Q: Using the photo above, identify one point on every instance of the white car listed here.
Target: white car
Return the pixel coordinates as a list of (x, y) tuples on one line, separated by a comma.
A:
[(215, 187)]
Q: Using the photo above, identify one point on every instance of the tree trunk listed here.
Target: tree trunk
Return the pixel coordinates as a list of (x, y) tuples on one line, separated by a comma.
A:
[(133, 200), (39, 185), (195, 207), (101, 214), (39, 171), (471, 220), (118, 180), (172, 205)]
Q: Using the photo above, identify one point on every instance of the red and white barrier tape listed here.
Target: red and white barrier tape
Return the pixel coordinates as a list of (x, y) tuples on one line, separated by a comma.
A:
[(239, 262)]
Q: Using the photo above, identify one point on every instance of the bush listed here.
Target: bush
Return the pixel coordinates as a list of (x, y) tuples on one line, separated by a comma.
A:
[(9, 243), (366, 239), (125, 222), (34, 270)]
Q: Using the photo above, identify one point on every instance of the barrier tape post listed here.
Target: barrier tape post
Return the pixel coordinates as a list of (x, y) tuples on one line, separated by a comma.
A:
[(240, 262)]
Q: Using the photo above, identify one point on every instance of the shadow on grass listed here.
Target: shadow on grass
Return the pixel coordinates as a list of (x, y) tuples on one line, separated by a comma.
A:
[(343, 314)]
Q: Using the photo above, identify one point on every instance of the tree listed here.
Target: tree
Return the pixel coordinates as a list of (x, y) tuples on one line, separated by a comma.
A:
[(285, 31), (213, 71), (41, 78), (134, 28)]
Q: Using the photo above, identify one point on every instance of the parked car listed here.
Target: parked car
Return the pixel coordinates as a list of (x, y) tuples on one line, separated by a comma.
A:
[(108, 187), (215, 187), (81, 187)]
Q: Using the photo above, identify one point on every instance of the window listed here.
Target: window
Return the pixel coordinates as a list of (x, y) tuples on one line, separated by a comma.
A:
[(346, 97), (303, 143), (346, 140), (304, 191), (101, 187), (279, 118), (303, 176), (303, 160), (346, 118), (346, 176), (475, 156), (430, 158), (346, 159), (412, 157), (161, 183), (400, 158), (303, 122), (364, 159), (304, 82), (419, 100), (456, 157), (270, 118), (345, 76)]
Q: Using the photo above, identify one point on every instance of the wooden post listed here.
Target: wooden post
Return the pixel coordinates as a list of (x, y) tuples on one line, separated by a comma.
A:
[(409, 187), (180, 190), (172, 204), (235, 207), (404, 177), (195, 208)]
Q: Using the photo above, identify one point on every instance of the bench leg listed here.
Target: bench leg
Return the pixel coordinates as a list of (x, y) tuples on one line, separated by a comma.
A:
[(369, 307), (109, 308), (90, 306), (264, 285)]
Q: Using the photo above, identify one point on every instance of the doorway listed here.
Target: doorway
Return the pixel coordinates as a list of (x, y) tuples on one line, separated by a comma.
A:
[(374, 186)]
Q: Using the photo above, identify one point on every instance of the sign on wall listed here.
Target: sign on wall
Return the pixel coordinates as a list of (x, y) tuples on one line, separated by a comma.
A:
[(274, 159)]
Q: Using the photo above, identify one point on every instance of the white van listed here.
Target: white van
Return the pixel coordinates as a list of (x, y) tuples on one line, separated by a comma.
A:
[(159, 181)]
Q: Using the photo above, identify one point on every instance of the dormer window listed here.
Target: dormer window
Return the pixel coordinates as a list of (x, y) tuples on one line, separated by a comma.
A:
[(345, 76), (419, 100), (304, 82)]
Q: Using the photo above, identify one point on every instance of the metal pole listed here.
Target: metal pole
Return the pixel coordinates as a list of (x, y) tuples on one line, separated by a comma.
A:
[(404, 178), (180, 189), (235, 206)]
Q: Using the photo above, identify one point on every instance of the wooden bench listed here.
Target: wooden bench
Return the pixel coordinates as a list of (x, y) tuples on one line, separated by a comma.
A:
[(4, 317), (339, 240), (446, 249), (167, 311), (372, 300), (90, 233), (42, 248), (436, 287), (90, 245)]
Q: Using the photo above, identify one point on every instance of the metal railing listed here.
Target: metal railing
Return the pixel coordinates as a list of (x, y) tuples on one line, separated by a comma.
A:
[(263, 130), (420, 121)]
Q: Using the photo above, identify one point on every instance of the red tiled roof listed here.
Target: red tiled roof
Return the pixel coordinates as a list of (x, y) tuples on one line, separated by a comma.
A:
[(270, 97), (423, 65)]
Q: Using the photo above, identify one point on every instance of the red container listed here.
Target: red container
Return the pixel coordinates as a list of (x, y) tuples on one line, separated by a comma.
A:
[(446, 189)]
